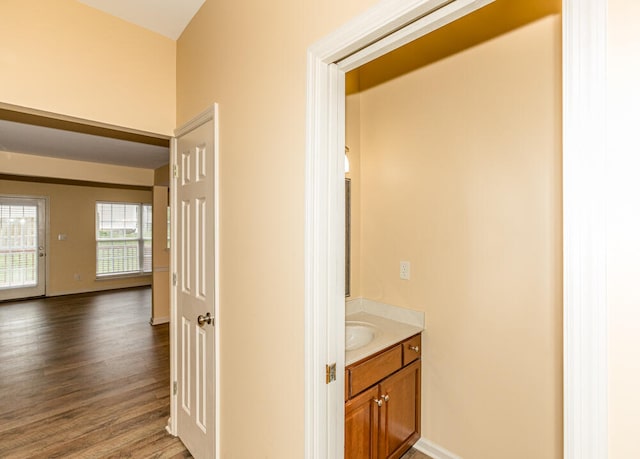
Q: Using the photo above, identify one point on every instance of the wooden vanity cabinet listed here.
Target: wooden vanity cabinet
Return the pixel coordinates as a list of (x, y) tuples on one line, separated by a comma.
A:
[(383, 420), (361, 425), (400, 419)]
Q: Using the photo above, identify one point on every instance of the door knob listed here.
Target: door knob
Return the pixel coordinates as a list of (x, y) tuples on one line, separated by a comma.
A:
[(205, 319)]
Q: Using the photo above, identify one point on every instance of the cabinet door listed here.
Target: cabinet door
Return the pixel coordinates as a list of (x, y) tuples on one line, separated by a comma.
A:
[(361, 425), (400, 412)]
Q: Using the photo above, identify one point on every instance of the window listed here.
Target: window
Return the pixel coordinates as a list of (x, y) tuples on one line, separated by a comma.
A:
[(123, 238)]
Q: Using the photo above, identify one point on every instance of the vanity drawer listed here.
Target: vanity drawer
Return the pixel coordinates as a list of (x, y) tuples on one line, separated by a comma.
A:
[(411, 350), (371, 371)]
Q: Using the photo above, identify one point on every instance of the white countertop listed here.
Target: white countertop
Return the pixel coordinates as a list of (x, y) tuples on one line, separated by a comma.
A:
[(387, 333)]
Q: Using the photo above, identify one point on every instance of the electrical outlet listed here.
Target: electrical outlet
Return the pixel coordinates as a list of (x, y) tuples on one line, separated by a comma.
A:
[(405, 268)]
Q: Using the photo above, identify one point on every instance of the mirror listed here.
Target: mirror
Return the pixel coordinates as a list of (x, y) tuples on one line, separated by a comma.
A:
[(347, 241)]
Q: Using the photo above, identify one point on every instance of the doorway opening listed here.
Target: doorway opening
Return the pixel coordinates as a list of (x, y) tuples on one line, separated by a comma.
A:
[(371, 35)]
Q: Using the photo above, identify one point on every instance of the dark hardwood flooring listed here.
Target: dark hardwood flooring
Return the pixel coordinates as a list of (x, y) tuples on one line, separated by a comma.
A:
[(84, 376), (414, 454)]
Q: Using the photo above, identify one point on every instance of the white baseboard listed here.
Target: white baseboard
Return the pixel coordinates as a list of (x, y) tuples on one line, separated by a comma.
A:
[(159, 320), (435, 451)]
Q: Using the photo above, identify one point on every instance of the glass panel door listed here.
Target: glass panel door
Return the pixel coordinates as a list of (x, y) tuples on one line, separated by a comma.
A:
[(22, 247)]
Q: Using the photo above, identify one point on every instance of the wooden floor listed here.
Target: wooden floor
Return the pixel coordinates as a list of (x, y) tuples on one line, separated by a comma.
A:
[(84, 376), (414, 454)]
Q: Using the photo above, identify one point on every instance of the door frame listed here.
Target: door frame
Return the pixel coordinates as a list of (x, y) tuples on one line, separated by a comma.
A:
[(45, 241), (209, 114), (384, 27)]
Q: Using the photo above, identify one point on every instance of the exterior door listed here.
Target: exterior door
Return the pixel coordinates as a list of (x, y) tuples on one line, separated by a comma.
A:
[(195, 286), (22, 247)]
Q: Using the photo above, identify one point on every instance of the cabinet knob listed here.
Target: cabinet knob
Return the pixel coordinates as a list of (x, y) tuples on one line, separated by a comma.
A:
[(377, 402), (415, 348), (385, 397)]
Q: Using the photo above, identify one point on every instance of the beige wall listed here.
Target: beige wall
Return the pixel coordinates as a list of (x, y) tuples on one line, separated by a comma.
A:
[(72, 212), (623, 227), (161, 176), (161, 287), (251, 58), (64, 57), (68, 169), (461, 176)]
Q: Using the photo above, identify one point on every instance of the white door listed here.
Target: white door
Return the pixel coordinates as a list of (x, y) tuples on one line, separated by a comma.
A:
[(22, 247), (195, 289)]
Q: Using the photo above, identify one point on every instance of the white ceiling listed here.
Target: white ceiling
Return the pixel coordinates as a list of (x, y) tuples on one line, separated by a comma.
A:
[(166, 17), (58, 143)]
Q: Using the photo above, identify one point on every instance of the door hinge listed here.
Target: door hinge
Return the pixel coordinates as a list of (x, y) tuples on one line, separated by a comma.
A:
[(175, 387), (331, 372), (174, 279), (175, 171)]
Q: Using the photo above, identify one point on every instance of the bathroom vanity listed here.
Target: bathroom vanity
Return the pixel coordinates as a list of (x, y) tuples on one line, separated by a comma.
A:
[(382, 389)]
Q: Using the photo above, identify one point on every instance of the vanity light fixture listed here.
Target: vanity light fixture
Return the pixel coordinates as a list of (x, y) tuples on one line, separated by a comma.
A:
[(346, 160)]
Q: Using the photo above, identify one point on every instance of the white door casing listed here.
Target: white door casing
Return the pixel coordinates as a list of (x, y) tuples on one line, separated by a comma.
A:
[(195, 290), (23, 224), (384, 27), (379, 30)]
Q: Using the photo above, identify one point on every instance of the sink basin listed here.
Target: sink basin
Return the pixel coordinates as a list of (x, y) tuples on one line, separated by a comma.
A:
[(358, 334)]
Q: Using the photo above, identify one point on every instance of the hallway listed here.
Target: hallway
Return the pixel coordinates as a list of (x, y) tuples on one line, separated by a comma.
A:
[(84, 376)]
